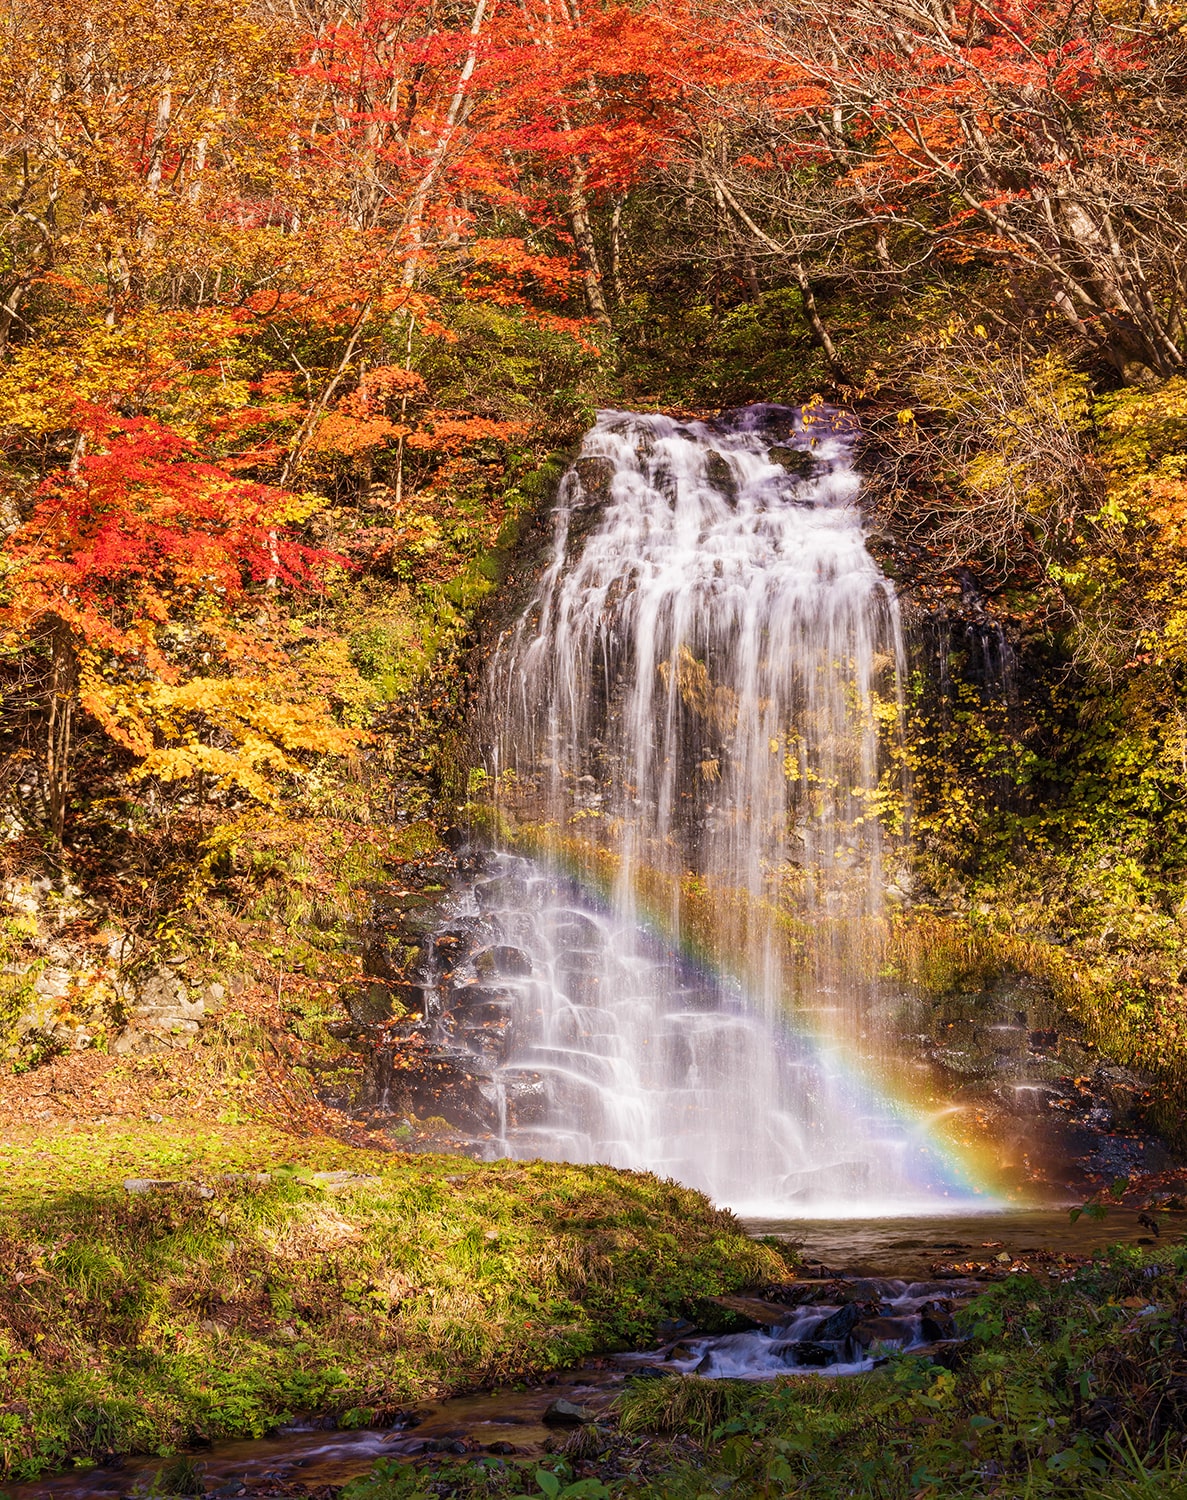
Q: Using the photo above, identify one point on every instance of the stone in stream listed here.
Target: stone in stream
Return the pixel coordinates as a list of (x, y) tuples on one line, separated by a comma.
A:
[(681, 1351), (674, 1328), (721, 476), (794, 460), (882, 1330), (838, 1325), (807, 1354), (752, 1310), (932, 1328), (564, 1413)]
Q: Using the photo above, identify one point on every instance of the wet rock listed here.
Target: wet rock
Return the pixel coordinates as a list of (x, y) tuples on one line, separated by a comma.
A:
[(868, 1290), (489, 1040), (840, 1324), (412, 1078), (527, 1102), (721, 476), (577, 931), (699, 999), (478, 1002), (501, 891), (752, 1311), (502, 961), (800, 1293), (794, 461), (882, 1330), (807, 1354), (595, 476), (579, 962), (564, 1413)]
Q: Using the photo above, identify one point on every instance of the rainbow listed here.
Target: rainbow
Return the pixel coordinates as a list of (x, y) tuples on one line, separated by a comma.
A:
[(945, 1148)]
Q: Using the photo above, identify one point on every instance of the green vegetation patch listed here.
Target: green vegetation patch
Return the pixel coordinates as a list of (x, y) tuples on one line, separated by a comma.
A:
[(1065, 1388), (232, 1300)]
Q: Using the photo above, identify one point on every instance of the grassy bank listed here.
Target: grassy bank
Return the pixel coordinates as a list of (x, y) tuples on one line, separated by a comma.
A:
[(142, 1321), (1067, 1387)]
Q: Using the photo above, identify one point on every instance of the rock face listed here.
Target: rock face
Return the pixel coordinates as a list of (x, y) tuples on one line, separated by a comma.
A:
[(76, 992), (595, 475), (164, 1012), (433, 1020), (1052, 1103)]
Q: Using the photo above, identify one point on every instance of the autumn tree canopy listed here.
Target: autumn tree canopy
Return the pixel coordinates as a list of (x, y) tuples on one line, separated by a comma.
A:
[(259, 254)]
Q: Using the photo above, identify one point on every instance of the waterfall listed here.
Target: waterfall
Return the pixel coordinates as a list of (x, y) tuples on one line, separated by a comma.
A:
[(689, 726)]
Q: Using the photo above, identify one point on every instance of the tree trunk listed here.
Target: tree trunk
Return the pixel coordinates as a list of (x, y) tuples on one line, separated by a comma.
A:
[(616, 249), (815, 321), (587, 250), (63, 687)]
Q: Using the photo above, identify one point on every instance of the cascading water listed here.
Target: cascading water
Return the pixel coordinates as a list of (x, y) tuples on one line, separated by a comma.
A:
[(692, 713)]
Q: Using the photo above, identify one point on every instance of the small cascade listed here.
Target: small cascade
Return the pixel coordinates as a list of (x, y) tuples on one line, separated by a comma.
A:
[(689, 729), (842, 1328)]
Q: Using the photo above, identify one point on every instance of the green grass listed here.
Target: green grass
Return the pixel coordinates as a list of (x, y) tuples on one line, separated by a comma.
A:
[(146, 1322)]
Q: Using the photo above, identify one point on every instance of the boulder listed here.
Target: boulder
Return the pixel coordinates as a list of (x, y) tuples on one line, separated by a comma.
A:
[(883, 1330), (838, 1325), (807, 1354), (564, 1413), (721, 476), (753, 1310), (794, 461)]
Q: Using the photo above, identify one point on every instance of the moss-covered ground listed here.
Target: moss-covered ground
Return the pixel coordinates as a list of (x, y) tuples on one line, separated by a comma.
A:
[(142, 1321)]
